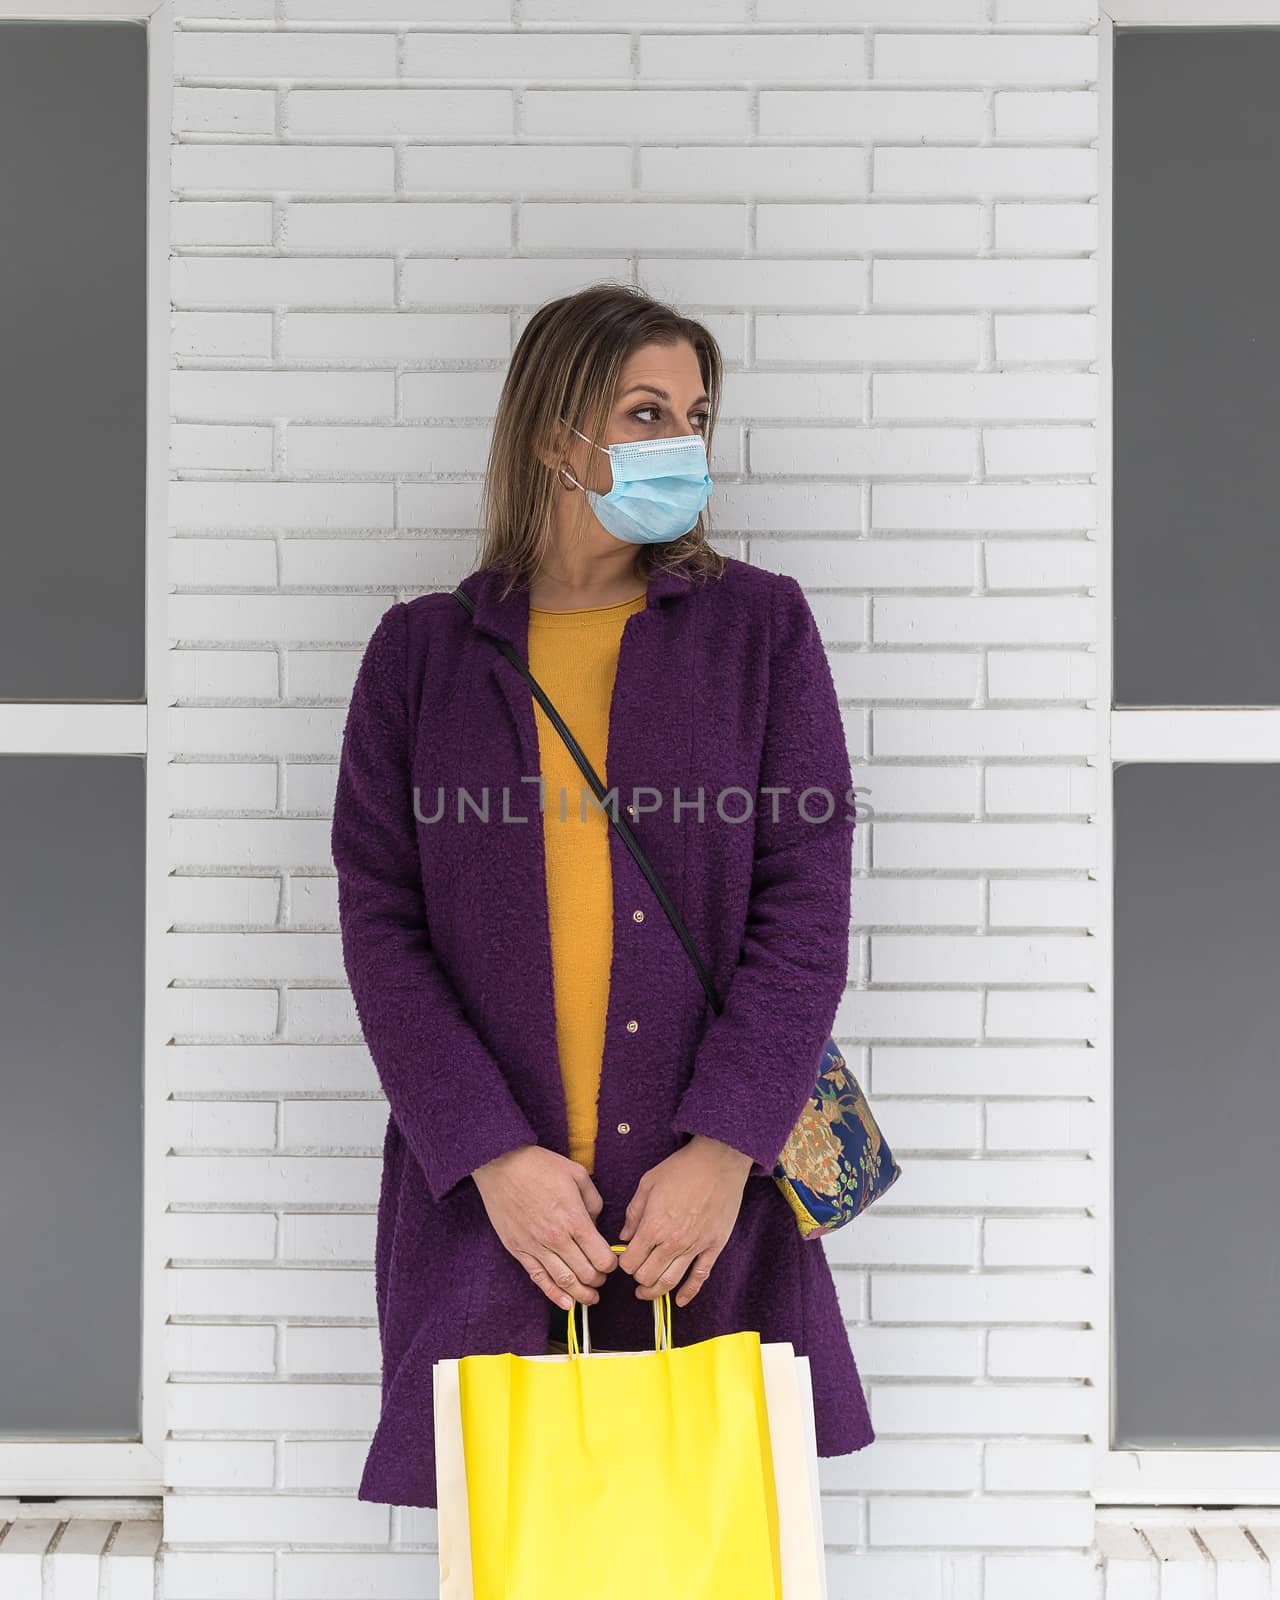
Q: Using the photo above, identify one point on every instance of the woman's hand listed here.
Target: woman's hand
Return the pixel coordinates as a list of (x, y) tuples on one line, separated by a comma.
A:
[(683, 1211), (543, 1207)]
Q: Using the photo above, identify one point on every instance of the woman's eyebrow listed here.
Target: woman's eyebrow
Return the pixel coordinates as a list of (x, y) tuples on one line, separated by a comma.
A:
[(662, 393)]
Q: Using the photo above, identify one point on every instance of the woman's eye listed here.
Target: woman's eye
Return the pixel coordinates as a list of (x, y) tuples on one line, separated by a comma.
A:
[(646, 413)]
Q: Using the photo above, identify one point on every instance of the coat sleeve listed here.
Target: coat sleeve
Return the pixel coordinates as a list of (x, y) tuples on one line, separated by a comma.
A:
[(757, 1061), (444, 1088)]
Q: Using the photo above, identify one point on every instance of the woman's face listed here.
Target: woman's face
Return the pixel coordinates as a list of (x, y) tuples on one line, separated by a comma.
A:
[(660, 395)]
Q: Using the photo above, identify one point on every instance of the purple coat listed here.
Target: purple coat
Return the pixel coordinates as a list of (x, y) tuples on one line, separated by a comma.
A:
[(722, 685)]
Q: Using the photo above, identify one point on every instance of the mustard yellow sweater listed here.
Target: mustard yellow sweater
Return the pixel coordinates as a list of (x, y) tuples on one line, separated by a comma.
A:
[(574, 656)]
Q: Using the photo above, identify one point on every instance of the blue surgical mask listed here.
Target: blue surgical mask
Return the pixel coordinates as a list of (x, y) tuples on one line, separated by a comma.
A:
[(659, 488)]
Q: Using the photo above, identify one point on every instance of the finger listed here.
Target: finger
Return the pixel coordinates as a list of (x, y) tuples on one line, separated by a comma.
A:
[(578, 1256), (548, 1279), (538, 1274), (633, 1234), (591, 1196), (639, 1248), (664, 1279), (651, 1250), (635, 1210), (595, 1250), (586, 1235), (569, 1233), (699, 1272), (569, 1269)]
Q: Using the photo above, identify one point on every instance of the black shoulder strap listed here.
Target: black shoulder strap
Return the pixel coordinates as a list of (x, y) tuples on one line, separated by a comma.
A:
[(610, 810)]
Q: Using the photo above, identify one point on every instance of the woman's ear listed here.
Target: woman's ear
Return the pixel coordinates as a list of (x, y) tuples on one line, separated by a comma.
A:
[(556, 448)]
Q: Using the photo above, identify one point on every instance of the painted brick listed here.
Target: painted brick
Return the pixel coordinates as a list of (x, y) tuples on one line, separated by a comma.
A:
[(874, 116), (511, 169), (999, 284), (388, 112), (1027, 228), (865, 229), (487, 55), (758, 57), (754, 169), (306, 169), (635, 113), (987, 58), (263, 54), (867, 341), (1068, 114), (998, 171)]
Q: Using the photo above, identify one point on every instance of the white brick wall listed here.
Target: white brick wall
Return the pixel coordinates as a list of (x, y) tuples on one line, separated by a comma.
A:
[(886, 210)]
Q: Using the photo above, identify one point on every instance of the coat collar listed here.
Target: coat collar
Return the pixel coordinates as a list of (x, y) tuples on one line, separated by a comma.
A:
[(509, 618)]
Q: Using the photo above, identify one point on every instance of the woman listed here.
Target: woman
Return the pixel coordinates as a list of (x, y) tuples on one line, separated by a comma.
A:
[(557, 1082)]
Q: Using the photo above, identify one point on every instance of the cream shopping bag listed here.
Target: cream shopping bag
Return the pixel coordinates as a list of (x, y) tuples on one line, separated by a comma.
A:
[(453, 1522), (789, 1400), (789, 1396)]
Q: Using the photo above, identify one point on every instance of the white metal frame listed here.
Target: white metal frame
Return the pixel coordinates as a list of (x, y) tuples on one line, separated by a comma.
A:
[(1150, 1476), (107, 1467)]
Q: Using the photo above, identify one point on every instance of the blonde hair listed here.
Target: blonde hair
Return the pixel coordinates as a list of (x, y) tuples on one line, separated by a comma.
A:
[(567, 364)]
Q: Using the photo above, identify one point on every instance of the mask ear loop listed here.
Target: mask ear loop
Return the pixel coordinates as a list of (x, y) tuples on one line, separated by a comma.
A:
[(563, 468)]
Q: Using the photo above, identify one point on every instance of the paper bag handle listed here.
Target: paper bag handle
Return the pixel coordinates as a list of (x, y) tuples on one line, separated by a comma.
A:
[(661, 1322)]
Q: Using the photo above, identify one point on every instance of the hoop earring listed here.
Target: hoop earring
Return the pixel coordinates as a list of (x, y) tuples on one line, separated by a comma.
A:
[(560, 471)]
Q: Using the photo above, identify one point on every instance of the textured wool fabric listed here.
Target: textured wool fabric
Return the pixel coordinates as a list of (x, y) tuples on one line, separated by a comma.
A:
[(723, 688), (574, 656)]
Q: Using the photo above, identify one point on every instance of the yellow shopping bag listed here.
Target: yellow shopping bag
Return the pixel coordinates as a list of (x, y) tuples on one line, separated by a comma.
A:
[(631, 1474)]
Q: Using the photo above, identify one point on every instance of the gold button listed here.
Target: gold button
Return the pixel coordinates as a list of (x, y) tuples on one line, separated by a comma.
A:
[(624, 1127), (632, 1025), (637, 916)]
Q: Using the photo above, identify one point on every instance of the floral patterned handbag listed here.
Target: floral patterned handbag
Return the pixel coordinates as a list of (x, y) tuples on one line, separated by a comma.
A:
[(835, 1161)]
